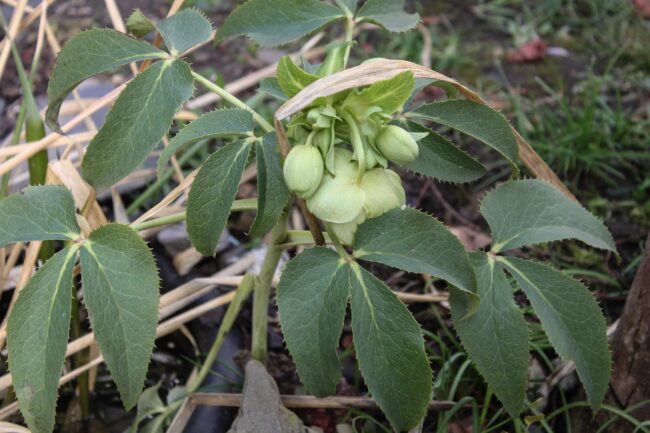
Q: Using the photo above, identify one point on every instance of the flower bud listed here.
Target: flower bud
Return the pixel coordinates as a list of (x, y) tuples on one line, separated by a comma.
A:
[(382, 191), (303, 170), (397, 144)]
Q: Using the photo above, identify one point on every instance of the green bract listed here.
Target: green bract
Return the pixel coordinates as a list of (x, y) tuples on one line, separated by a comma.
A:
[(397, 145), (303, 170)]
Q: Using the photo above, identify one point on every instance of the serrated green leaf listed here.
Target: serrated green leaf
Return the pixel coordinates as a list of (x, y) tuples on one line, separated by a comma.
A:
[(272, 192), (212, 194), (389, 14), (390, 349), (441, 159), (496, 335), (277, 22), (120, 283), (45, 212), (222, 123), (572, 320), (476, 120), (312, 298), (271, 86), (184, 30), (291, 78), (37, 338), (531, 211), (137, 122), (389, 95), (415, 242), (138, 24), (87, 54)]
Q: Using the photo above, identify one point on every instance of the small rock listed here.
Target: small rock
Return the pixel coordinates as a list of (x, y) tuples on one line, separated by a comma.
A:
[(261, 410)]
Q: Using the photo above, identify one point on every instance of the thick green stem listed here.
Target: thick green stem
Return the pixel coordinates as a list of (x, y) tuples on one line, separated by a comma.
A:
[(338, 245), (79, 358), (237, 206), (232, 99), (349, 34), (263, 290)]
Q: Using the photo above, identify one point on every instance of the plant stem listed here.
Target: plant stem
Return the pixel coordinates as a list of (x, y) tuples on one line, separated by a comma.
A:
[(81, 357), (232, 99), (263, 289), (349, 33), (237, 206), (244, 289), (338, 245)]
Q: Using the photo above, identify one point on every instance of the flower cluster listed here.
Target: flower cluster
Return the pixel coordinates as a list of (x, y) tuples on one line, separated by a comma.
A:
[(340, 165)]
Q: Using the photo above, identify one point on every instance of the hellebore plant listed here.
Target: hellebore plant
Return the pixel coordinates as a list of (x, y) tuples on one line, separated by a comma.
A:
[(337, 143)]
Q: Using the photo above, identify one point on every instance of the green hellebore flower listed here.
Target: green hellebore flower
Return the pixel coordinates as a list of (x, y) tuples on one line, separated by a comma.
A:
[(303, 170), (397, 144), (383, 191), (339, 198)]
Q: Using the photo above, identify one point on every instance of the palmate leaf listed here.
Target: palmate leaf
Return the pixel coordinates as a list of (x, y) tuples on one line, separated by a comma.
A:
[(441, 159), (312, 298), (222, 123), (212, 194), (390, 349), (90, 53), (273, 193), (572, 320), (291, 78), (277, 22), (45, 212), (415, 242), (120, 283), (37, 338), (184, 30), (389, 14), (137, 122), (476, 120), (495, 335), (531, 211)]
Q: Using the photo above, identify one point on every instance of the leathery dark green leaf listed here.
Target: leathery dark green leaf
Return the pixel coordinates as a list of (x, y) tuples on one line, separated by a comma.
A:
[(496, 335), (137, 122), (212, 194), (531, 211), (184, 30), (44, 212), (572, 320), (312, 298), (277, 22), (476, 120), (390, 350), (273, 194), (120, 283), (415, 242), (224, 123), (90, 53), (37, 338)]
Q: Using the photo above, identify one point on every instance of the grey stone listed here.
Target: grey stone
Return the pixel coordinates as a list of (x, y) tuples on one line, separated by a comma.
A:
[(261, 410)]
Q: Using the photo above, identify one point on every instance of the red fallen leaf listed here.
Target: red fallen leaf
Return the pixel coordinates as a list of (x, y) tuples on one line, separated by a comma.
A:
[(430, 20), (642, 7), (529, 52)]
